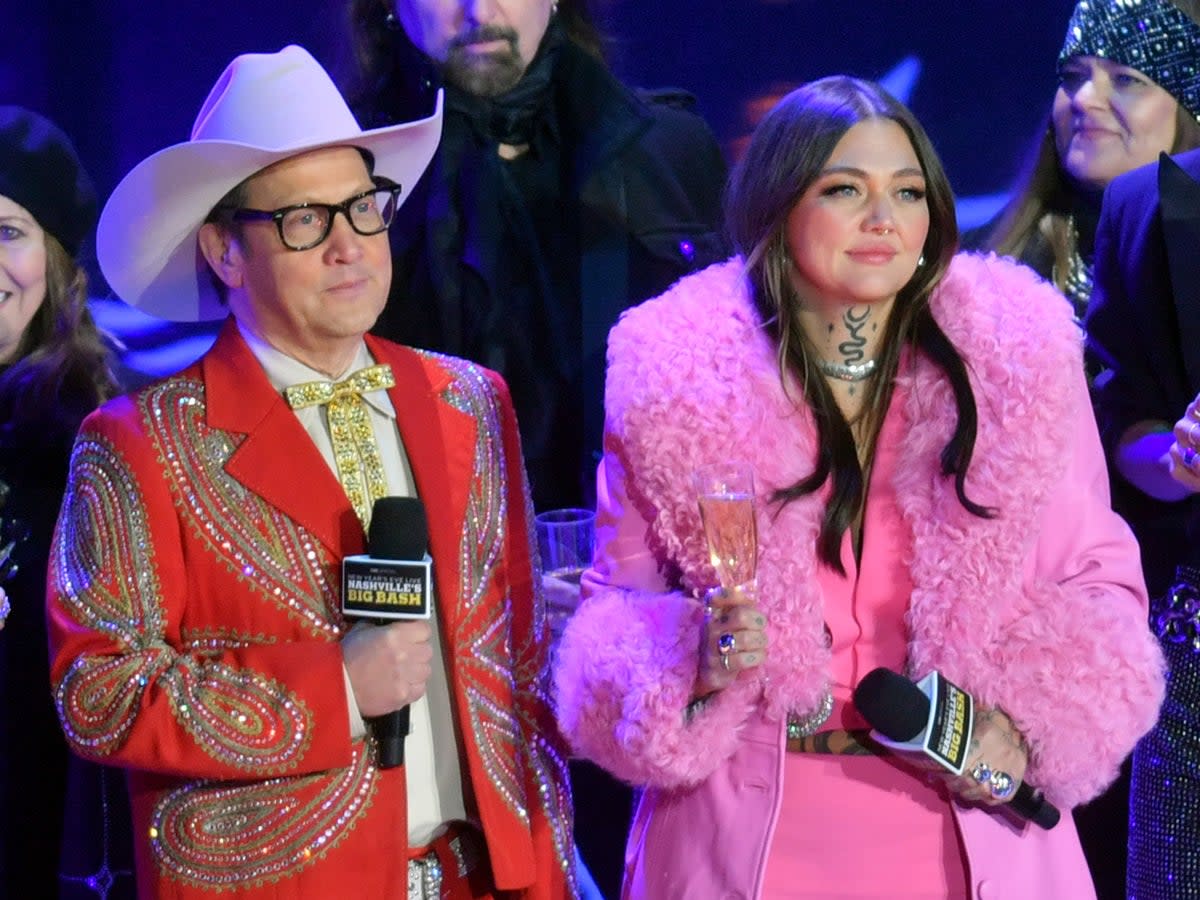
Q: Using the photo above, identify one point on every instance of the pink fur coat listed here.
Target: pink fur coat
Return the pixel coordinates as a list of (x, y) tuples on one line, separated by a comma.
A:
[(1040, 610)]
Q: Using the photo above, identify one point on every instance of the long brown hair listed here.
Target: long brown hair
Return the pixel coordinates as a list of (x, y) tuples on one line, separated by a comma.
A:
[(785, 156), (62, 368)]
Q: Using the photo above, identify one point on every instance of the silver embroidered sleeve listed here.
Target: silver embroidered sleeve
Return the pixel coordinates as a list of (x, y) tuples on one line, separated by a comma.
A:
[(103, 576), (233, 836)]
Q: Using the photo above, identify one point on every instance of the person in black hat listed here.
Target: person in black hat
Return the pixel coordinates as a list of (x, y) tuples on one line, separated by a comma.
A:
[(1127, 90), (54, 368)]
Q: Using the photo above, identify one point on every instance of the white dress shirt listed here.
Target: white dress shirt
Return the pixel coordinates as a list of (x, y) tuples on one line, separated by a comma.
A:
[(431, 758)]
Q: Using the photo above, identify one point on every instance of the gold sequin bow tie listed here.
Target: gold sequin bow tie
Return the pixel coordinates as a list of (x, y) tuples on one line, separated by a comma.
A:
[(355, 450)]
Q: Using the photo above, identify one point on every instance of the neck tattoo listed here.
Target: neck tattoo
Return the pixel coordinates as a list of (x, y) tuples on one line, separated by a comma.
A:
[(847, 371)]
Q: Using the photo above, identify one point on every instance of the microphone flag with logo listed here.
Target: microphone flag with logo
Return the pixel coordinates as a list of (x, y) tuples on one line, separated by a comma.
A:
[(936, 718), (391, 582)]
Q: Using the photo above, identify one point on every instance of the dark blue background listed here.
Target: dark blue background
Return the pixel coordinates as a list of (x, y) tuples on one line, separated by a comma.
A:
[(126, 77)]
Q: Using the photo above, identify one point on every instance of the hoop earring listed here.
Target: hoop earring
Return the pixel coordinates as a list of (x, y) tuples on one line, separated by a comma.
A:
[(553, 7), (920, 260), (391, 22)]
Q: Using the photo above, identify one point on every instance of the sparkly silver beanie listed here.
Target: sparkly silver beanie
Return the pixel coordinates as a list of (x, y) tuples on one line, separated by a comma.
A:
[(1153, 36)]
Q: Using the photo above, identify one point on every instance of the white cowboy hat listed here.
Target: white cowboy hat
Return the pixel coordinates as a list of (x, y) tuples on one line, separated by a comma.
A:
[(265, 107)]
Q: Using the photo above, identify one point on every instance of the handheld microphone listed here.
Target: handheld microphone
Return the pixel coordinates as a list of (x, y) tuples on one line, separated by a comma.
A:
[(935, 717), (390, 583)]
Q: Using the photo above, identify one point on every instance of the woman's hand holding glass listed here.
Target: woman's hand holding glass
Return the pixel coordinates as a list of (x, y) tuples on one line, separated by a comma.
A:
[(733, 638)]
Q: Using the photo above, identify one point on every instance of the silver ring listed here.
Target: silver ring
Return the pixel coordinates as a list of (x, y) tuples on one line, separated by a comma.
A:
[(1189, 456), (1002, 785), (726, 643), (982, 773), (725, 661)]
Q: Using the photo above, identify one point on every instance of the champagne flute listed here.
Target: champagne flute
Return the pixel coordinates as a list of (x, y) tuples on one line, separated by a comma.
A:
[(725, 492)]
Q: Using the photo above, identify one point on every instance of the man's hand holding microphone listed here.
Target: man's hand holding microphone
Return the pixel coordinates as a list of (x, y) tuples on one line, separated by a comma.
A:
[(389, 662)]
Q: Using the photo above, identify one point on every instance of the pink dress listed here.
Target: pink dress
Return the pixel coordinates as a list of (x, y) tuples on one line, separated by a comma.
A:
[(865, 826)]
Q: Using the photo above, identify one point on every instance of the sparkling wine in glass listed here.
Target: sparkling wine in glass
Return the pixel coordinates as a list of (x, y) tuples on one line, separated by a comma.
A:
[(726, 495)]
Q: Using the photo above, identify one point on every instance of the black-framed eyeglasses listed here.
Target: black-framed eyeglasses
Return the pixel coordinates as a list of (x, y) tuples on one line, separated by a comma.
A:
[(305, 225)]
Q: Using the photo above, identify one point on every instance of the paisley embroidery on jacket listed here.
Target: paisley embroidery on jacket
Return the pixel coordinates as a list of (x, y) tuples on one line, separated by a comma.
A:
[(98, 697), (507, 743), (264, 547), (549, 766), (102, 567), (238, 716), (103, 570), (483, 538), (487, 666), (216, 639), (236, 836), (551, 776), (103, 561)]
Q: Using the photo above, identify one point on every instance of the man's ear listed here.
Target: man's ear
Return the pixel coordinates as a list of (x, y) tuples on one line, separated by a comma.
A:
[(222, 252)]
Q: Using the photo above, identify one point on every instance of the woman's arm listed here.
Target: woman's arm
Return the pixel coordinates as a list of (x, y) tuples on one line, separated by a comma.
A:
[(1144, 458), (626, 671), (1077, 668)]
